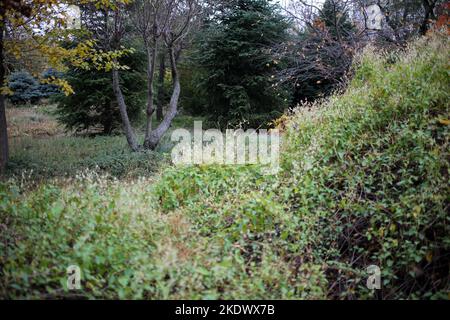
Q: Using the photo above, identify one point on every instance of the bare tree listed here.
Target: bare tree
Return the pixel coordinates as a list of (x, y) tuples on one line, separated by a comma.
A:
[(158, 22), (161, 88), (149, 20), (320, 51), (180, 17)]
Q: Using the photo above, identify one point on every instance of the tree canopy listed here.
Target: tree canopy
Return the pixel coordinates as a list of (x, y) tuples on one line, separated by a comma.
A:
[(237, 65)]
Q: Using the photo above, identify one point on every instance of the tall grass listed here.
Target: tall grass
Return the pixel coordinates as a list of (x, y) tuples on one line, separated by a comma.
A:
[(364, 181), (65, 156)]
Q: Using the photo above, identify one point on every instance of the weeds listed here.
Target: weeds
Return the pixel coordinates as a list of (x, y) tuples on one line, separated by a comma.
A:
[(364, 181)]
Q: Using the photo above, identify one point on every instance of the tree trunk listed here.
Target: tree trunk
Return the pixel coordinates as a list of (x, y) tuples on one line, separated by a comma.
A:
[(161, 89), (159, 132), (4, 152), (127, 128), (107, 118), (151, 63)]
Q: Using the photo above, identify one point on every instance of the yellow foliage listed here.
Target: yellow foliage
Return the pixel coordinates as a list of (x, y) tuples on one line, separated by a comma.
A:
[(48, 44), (6, 91), (281, 123), (444, 122)]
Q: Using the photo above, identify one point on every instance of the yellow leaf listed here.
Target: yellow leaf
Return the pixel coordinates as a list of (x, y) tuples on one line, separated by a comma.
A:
[(393, 228), (444, 122), (6, 91), (417, 211)]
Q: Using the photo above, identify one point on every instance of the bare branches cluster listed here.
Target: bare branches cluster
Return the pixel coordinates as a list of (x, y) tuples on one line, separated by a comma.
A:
[(163, 26)]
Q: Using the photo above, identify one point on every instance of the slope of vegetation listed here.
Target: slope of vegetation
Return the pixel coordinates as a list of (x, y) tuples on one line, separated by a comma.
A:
[(364, 181)]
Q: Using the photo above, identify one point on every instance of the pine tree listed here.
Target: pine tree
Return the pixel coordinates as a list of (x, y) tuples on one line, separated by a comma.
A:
[(237, 64), (49, 89), (93, 105), (25, 88)]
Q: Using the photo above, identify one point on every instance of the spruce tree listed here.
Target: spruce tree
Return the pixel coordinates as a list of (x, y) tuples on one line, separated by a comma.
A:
[(93, 104), (237, 64), (26, 88)]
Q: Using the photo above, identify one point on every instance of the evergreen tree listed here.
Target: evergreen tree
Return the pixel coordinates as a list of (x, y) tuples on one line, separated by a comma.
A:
[(237, 64), (48, 89), (93, 105), (336, 19), (25, 88)]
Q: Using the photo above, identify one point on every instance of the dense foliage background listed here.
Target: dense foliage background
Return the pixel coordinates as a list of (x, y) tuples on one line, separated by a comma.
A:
[(236, 64), (364, 181), (86, 176), (93, 106)]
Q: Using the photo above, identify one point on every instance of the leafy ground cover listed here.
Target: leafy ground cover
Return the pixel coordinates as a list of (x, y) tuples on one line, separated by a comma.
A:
[(364, 181)]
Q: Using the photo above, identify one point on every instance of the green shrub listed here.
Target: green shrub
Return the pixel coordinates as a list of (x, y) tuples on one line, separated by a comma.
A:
[(372, 167), (102, 232), (364, 181)]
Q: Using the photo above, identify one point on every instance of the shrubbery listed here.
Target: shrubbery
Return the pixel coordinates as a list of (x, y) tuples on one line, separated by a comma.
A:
[(27, 89), (364, 181), (370, 171)]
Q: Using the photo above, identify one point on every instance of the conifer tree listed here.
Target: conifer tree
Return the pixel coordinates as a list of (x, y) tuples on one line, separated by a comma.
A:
[(237, 64)]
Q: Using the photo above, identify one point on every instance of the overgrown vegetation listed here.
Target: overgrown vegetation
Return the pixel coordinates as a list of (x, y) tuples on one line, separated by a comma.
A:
[(364, 181)]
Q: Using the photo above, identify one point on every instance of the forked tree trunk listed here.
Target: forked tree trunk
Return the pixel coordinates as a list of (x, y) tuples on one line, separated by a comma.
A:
[(4, 152), (127, 128), (159, 132), (151, 63)]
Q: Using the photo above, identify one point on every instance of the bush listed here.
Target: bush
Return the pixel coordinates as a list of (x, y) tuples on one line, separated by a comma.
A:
[(102, 232), (368, 174), (364, 181), (26, 89)]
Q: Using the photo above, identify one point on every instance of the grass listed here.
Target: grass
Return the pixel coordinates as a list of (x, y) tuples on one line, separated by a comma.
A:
[(67, 156), (32, 122), (364, 181), (41, 148)]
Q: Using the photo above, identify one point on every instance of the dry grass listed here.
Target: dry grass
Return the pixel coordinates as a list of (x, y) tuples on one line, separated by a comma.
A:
[(31, 122)]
